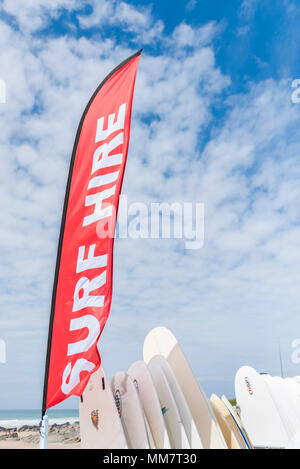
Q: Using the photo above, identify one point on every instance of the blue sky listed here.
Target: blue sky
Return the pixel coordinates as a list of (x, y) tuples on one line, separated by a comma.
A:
[(212, 122)]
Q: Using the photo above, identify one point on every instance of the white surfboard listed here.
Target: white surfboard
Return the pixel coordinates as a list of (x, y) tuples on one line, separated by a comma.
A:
[(100, 424), (141, 375), (294, 384), (284, 403), (238, 422), (294, 396), (130, 410), (161, 341), (183, 409), (176, 431), (232, 434), (297, 379), (294, 390), (149, 433), (258, 411)]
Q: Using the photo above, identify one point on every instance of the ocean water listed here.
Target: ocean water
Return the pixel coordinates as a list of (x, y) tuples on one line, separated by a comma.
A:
[(18, 418)]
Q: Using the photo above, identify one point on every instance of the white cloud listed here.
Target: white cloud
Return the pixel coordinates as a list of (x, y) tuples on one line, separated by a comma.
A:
[(135, 20), (101, 12), (246, 15), (191, 5), (186, 35), (32, 14), (248, 8)]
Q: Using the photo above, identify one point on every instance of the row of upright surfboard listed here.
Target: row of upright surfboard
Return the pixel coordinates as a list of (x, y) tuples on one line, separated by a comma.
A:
[(269, 408), (157, 404)]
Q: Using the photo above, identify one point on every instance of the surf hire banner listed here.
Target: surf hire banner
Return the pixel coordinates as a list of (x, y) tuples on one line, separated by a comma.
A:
[(82, 288)]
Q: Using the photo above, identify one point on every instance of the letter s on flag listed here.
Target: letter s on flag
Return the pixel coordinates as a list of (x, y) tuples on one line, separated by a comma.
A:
[(82, 289)]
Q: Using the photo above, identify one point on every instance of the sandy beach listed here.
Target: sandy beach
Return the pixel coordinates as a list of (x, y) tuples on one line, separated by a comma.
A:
[(64, 436)]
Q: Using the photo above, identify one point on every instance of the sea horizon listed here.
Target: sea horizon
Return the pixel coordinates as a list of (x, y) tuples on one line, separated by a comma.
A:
[(16, 418)]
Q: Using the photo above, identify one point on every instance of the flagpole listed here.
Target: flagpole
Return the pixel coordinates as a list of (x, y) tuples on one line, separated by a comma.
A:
[(44, 432), (280, 357)]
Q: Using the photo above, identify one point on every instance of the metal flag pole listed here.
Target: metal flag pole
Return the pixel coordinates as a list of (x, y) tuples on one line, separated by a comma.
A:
[(280, 357), (44, 432)]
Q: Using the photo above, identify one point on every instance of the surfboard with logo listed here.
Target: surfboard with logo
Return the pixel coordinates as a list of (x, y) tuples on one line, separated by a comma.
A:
[(161, 341), (237, 421), (100, 424), (141, 376), (130, 410), (232, 433), (174, 425), (258, 411), (183, 409)]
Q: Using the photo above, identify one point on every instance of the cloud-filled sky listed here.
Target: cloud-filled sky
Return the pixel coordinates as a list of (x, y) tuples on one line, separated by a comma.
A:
[(212, 122)]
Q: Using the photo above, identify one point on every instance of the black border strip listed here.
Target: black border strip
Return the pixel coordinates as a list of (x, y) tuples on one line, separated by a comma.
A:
[(62, 226)]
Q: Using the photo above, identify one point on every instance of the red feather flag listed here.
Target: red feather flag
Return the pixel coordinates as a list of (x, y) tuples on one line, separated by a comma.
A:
[(82, 288)]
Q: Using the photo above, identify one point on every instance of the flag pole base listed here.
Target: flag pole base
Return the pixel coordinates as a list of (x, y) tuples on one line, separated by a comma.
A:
[(44, 432)]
